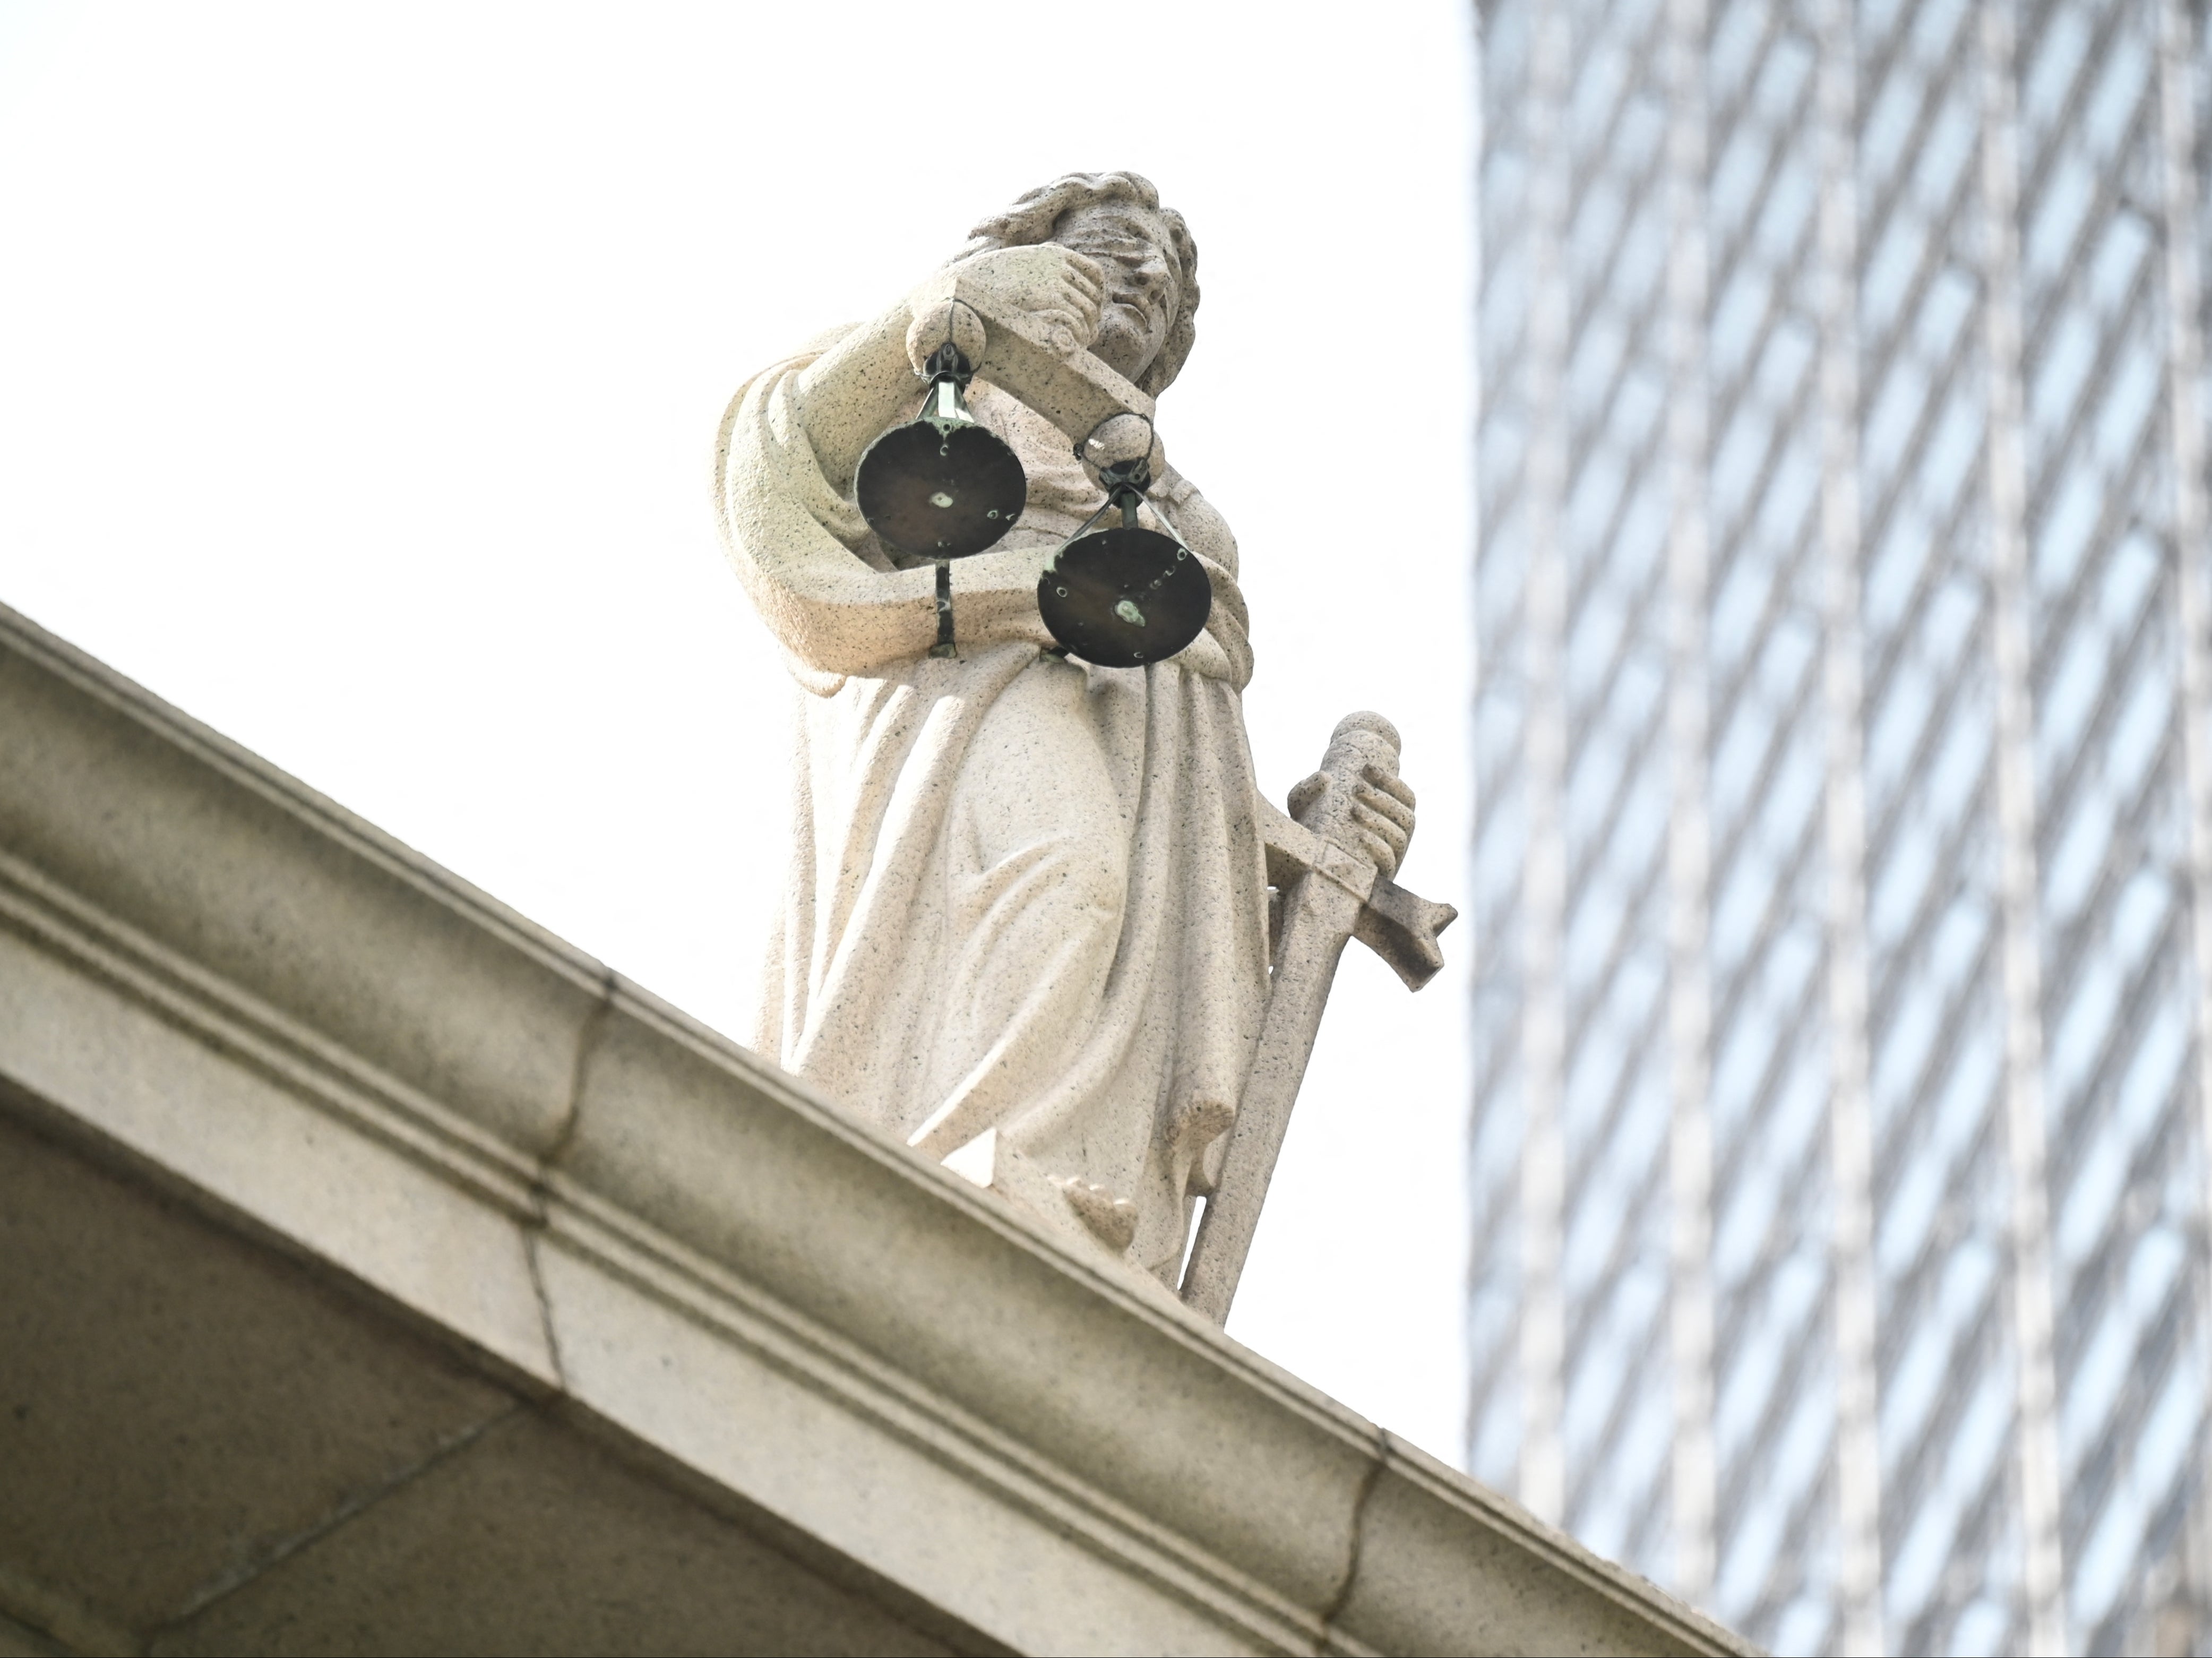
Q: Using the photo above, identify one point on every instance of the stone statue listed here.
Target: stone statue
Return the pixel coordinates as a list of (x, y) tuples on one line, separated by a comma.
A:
[(1026, 926)]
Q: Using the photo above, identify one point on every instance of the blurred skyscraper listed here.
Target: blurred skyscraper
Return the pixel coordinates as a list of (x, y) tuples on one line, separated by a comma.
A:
[(1844, 810)]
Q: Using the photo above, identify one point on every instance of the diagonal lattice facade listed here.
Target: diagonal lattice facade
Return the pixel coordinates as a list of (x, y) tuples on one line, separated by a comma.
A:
[(1844, 834)]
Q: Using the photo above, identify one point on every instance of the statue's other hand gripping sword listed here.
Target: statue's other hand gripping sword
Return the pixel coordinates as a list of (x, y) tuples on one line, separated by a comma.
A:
[(1329, 893)]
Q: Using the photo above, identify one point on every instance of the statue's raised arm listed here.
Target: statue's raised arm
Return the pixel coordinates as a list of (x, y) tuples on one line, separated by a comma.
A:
[(845, 399)]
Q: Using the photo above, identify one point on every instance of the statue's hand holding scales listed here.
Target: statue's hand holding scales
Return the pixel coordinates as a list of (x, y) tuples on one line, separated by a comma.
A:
[(1026, 924), (1057, 288), (942, 486)]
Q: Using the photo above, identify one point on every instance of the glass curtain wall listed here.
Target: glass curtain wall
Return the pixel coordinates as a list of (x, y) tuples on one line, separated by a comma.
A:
[(1844, 838)]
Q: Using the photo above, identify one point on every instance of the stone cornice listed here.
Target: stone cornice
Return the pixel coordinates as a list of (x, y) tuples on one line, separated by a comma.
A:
[(619, 1199)]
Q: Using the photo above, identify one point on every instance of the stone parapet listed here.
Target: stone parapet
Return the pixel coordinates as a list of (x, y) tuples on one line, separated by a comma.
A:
[(382, 1273)]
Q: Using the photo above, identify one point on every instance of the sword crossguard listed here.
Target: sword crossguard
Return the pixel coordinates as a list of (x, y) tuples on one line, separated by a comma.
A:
[(1399, 925), (1319, 834)]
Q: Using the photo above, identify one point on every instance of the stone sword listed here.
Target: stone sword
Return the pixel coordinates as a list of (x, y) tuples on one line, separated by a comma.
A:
[(1329, 895)]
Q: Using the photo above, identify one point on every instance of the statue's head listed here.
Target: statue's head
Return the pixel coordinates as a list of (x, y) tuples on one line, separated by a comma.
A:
[(1148, 322)]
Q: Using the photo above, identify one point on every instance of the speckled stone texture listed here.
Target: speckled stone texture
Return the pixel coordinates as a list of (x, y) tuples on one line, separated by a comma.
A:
[(1026, 924)]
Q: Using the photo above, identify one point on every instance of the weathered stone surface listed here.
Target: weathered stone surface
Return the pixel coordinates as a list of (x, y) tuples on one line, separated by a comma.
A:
[(132, 1334), (433, 1289), (535, 1539)]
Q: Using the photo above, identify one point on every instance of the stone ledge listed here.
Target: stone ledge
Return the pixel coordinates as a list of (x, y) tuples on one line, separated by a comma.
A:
[(323, 1041)]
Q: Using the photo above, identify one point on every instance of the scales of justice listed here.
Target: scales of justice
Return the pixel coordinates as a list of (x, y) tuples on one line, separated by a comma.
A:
[(1040, 924), (944, 487)]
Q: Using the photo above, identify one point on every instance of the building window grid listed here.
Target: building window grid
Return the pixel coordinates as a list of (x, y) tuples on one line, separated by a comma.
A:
[(2127, 1181)]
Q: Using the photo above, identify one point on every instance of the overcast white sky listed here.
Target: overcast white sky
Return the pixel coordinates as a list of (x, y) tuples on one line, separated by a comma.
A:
[(360, 363)]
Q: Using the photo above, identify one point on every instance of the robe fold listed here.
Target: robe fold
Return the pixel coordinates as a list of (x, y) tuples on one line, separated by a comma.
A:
[(1026, 896)]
